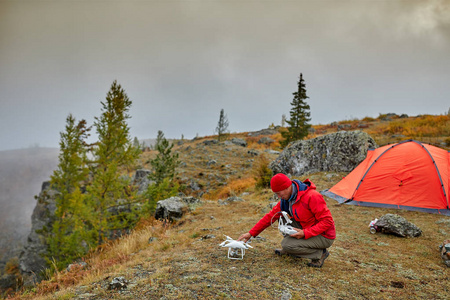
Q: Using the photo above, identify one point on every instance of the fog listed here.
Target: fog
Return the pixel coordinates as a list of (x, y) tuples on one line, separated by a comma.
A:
[(22, 173)]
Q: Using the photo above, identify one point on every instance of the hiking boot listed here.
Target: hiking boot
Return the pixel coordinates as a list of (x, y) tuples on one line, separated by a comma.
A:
[(280, 252), (318, 263)]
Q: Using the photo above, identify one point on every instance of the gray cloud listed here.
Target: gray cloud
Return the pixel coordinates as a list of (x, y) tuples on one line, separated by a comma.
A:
[(182, 61)]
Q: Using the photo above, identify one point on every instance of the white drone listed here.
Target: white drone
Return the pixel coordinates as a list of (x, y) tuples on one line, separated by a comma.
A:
[(235, 247), (283, 225)]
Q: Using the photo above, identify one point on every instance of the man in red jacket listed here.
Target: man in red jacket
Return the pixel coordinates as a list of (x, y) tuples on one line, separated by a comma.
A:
[(311, 219)]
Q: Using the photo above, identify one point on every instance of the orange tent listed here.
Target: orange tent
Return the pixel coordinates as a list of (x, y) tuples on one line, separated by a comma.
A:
[(408, 175)]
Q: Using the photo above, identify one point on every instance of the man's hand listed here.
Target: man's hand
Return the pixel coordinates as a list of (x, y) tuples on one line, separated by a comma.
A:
[(245, 237), (299, 235)]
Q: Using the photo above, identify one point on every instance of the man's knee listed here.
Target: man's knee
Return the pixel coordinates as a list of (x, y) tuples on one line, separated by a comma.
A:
[(290, 245)]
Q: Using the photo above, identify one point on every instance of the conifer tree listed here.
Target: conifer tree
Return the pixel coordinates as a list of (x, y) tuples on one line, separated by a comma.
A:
[(165, 163), (69, 233), (113, 153), (299, 116), (163, 172), (222, 125)]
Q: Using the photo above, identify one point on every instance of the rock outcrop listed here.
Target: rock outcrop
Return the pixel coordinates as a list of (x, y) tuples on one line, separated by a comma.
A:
[(337, 152), (267, 131), (31, 261), (141, 180)]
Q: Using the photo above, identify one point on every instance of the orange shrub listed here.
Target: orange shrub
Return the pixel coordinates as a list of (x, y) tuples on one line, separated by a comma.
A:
[(423, 126), (252, 142), (236, 187)]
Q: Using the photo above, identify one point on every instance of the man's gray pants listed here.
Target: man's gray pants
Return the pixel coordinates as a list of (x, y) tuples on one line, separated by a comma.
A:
[(310, 248)]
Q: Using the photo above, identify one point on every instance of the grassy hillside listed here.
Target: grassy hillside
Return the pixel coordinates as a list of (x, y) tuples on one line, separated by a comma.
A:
[(183, 260)]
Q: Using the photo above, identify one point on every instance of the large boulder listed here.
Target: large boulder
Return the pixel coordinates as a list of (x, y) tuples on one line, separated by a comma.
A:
[(173, 208), (397, 225), (336, 152)]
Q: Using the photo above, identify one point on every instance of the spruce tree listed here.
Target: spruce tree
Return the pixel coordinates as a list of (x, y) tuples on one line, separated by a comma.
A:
[(163, 172), (69, 232), (165, 163), (299, 116), (222, 125), (114, 153)]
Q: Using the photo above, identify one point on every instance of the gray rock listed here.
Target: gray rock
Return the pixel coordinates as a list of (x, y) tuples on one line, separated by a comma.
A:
[(344, 127), (239, 142), (211, 162), (118, 283), (190, 200), (229, 200), (253, 152), (286, 295), (208, 236), (140, 178), (445, 252), (338, 152), (173, 208), (266, 140), (193, 185), (210, 142), (9, 281), (270, 151), (31, 259), (397, 225), (267, 131)]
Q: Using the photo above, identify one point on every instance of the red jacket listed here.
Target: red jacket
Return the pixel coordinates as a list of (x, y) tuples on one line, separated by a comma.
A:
[(309, 209)]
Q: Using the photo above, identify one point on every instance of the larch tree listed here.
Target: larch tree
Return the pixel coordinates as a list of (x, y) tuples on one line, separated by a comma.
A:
[(298, 124), (69, 235), (113, 154), (222, 125)]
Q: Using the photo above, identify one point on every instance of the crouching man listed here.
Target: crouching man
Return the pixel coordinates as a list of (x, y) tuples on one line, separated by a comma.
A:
[(311, 219)]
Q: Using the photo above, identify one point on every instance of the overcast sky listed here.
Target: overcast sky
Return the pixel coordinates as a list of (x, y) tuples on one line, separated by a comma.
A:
[(181, 62)]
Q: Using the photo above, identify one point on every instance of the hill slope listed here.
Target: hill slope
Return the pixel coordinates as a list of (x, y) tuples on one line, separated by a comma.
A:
[(183, 260)]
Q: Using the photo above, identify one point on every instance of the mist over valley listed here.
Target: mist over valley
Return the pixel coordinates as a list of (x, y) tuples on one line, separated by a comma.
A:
[(22, 173)]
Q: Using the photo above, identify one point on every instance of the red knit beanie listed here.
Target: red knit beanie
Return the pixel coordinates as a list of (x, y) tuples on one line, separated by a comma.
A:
[(279, 182)]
